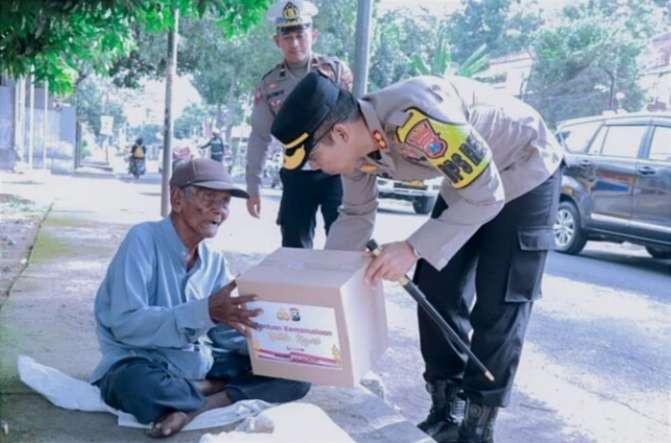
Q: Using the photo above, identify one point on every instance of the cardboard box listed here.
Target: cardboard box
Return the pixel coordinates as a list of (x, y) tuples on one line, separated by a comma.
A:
[(321, 322)]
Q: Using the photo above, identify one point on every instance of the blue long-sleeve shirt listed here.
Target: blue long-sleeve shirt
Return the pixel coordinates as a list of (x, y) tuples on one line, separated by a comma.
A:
[(149, 305)]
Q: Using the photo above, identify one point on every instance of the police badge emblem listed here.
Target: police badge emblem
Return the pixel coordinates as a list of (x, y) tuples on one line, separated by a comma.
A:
[(455, 150), (290, 12), (425, 138)]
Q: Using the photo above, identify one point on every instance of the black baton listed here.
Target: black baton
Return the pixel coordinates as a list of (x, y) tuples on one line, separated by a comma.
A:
[(452, 338)]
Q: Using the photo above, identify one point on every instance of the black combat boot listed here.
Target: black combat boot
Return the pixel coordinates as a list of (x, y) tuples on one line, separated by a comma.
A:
[(447, 409), (478, 424)]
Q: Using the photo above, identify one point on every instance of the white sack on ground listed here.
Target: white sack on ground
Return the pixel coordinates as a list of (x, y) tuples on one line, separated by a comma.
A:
[(70, 393)]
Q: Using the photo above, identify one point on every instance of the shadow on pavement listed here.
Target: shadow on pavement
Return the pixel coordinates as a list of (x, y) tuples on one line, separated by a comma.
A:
[(144, 179), (85, 173), (541, 424)]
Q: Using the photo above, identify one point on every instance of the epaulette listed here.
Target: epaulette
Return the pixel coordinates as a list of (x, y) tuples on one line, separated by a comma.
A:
[(326, 65), (333, 61), (274, 68)]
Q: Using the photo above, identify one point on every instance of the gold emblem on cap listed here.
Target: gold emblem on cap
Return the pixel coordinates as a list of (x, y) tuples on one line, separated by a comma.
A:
[(290, 11), (297, 141), (295, 159), (293, 153)]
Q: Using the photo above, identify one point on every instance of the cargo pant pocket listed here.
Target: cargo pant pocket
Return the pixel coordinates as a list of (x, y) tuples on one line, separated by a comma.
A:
[(527, 263)]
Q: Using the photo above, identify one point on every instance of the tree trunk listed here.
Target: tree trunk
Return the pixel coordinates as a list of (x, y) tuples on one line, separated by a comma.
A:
[(19, 112), (230, 106), (220, 116), (168, 125), (31, 122), (45, 124), (611, 90)]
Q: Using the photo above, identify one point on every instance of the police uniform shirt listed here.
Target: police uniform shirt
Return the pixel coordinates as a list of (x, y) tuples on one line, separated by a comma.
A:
[(270, 93), (489, 147)]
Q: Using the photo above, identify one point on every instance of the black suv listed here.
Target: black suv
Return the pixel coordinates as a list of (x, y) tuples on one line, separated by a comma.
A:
[(616, 184)]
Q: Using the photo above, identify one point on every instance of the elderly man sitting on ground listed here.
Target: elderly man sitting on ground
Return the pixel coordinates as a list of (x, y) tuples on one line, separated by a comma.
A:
[(164, 291)]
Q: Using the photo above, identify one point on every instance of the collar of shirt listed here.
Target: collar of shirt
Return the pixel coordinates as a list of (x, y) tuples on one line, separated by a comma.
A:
[(299, 70), (175, 244), (384, 160)]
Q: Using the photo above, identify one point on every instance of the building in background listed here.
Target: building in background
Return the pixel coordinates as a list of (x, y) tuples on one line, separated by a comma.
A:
[(509, 73), (656, 78), (15, 107)]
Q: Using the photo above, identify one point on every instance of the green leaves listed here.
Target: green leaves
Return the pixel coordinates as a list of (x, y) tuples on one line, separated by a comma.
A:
[(476, 62), (589, 54), (410, 44), (58, 39)]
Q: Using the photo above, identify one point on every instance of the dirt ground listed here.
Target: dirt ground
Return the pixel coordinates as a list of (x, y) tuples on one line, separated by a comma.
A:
[(19, 223)]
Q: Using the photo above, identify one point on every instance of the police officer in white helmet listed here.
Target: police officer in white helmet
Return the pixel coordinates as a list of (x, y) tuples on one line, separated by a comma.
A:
[(305, 190)]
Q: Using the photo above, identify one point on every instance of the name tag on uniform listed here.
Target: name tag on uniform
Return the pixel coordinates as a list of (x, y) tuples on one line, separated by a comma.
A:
[(454, 149)]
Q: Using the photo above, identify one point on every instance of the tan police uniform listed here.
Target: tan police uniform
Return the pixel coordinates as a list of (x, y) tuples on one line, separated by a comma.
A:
[(274, 87), (492, 224), (304, 191), (490, 148)]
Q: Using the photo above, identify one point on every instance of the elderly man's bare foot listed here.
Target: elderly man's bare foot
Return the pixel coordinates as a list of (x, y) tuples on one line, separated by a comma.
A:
[(174, 422), (170, 424)]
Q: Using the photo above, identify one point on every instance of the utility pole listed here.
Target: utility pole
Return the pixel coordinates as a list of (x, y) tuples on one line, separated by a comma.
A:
[(31, 121), (19, 127), (45, 125), (106, 137), (362, 47), (167, 130)]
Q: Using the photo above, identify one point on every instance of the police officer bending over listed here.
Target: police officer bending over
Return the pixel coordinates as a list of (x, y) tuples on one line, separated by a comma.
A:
[(492, 222), (305, 189)]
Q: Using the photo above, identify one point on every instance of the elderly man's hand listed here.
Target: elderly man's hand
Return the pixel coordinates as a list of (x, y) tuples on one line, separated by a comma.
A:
[(232, 310)]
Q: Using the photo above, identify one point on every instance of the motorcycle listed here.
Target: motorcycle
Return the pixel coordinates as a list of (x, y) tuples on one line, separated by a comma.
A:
[(136, 167)]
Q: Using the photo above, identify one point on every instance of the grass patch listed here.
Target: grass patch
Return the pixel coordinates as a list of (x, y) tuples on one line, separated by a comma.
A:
[(48, 247), (12, 204), (67, 222)]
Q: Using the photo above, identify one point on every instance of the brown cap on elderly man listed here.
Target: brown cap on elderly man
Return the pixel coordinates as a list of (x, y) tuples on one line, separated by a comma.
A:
[(205, 173)]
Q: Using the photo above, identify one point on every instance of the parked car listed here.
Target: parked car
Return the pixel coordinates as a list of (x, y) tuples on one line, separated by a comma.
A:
[(422, 194), (616, 184)]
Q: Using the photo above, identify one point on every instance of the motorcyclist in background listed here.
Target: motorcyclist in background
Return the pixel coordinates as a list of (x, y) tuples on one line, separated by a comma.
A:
[(136, 165)]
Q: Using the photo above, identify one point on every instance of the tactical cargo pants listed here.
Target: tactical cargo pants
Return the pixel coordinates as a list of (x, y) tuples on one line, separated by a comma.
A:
[(502, 266), (304, 193)]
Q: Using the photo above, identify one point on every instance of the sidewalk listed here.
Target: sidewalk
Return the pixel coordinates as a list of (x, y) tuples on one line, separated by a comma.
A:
[(48, 316)]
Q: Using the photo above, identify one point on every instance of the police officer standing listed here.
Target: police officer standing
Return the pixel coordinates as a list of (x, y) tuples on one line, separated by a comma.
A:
[(304, 189), (492, 223), (216, 145)]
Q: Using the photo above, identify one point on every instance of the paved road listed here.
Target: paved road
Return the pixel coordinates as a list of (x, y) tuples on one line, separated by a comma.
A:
[(596, 362)]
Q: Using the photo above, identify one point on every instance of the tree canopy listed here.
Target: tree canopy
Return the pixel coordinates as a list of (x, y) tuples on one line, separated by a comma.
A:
[(591, 54), (56, 39), (503, 26)]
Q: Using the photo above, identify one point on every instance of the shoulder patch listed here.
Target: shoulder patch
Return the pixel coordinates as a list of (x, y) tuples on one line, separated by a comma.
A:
[(456, 150)]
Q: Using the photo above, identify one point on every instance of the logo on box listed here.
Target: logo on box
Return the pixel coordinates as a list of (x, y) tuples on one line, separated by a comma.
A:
[(294, 314)]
